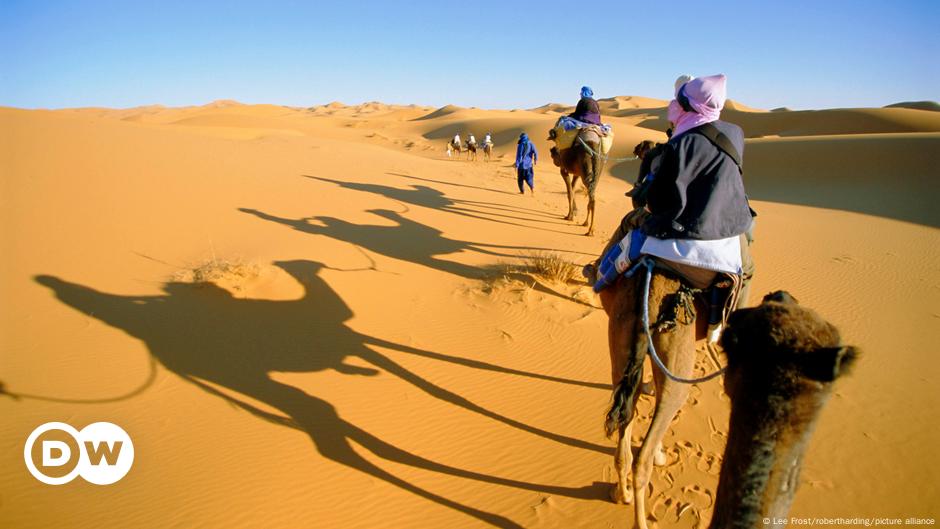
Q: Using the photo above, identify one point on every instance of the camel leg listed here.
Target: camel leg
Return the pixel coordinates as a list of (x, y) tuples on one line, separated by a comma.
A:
[(623, 463), (622, 338), (569, 187), (666, 407), (589, 221), (677, 348)]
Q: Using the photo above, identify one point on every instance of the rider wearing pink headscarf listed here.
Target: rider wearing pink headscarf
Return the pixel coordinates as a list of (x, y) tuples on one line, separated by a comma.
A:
[(698, 192), (698, 101)]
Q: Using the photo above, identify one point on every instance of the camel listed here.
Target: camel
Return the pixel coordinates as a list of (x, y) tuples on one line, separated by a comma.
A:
[(644, 147), (789, 335), (471, 151), (628, 348), (454, 147), (585, 161), (782, 361), (487, 151)]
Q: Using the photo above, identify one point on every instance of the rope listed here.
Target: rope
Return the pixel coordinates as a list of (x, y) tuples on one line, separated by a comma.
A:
[(669, 317), (648, 263), (604, 156)]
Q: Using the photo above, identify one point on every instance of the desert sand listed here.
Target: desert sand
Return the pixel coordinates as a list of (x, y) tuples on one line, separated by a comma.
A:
[(311, 317)]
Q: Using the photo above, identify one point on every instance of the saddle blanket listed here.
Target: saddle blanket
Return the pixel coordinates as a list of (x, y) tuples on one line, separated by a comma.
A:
[(723, 255), (569, 123), (567, 129)]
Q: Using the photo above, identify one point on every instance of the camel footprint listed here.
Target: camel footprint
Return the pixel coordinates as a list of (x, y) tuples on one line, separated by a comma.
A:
[(670, 510), (716, 434), (707, 462), (698, 496)]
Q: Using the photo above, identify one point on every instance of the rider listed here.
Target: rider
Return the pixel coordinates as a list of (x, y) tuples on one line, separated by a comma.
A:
[(456, 141), (488, 139), (587, 109), (472, 140), (697, 194)]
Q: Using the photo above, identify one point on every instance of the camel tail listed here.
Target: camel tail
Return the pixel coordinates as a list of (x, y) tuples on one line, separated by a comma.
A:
[(597, 164), (624, 396)]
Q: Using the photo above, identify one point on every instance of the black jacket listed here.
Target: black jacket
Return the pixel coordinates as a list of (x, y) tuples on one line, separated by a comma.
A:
[(698, 192)]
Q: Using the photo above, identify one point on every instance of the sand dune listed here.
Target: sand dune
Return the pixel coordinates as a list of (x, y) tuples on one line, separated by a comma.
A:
[(887, 175), (810, 122), (917, 105), (361, 355)]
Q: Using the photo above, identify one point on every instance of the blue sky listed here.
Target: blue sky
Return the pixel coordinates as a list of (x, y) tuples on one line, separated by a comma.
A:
[(799, 54)]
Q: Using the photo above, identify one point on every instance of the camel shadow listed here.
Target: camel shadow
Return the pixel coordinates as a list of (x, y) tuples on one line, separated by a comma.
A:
[(214, 340), (407, 240), (429, 197)]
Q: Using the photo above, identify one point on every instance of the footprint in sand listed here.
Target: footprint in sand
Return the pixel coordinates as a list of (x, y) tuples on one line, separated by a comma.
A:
[(667, 509), (668, 480), (673, 456), (698, 496), (661, 507), (708, 463), (704, 461), (688, 510), (715, 434)]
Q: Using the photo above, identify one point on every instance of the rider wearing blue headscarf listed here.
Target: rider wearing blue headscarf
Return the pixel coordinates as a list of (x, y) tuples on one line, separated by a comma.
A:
[(587, 109), (526, 157)]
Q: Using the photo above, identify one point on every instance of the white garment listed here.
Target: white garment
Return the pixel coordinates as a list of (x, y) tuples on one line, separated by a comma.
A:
[(723, 255)]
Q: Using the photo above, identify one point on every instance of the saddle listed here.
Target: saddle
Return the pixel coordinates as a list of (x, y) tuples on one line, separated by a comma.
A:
[(719, 290), (566, 131)]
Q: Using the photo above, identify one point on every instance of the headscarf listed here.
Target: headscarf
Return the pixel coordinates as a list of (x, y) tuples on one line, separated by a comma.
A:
[(523, 150), (586, 91), (706, 97)]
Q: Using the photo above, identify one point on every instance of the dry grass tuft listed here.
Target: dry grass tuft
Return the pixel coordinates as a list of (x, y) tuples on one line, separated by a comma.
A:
[(231, 274), (546, 266), (552, 267)]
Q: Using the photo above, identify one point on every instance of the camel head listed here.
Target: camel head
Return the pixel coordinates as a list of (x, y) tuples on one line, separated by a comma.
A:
[(782, 361), (643, 147), (556, 157), (781, 341)]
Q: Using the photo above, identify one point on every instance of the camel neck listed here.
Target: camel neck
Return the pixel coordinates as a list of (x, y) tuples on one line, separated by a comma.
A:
[(762, 461)]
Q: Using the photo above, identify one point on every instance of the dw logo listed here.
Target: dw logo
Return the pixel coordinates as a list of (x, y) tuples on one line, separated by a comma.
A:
[(101, 453)]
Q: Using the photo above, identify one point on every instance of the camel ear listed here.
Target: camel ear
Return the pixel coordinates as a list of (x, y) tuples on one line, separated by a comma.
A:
[(829, 363)]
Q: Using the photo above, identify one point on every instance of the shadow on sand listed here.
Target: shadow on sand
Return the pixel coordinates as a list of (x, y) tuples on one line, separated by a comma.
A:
[(407, 240), (210, 338), (421, 195)]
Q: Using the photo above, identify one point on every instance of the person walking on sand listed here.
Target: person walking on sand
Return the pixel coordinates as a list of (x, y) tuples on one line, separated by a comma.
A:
[(526, 158)]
